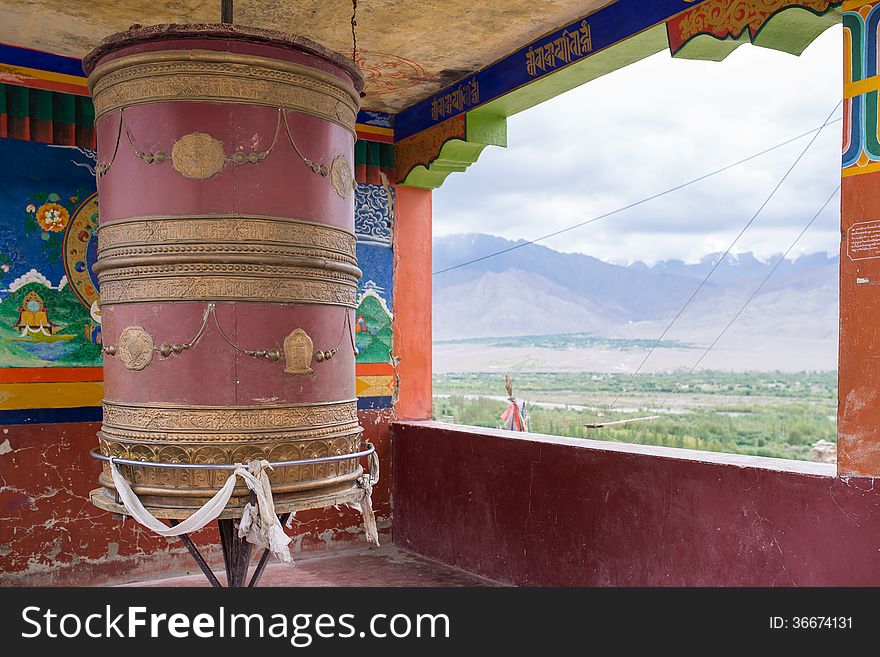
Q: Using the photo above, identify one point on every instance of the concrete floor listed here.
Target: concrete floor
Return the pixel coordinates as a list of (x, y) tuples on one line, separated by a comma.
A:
[(383, 566)]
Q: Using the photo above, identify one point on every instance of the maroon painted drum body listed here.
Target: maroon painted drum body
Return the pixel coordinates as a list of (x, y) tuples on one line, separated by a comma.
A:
[(226, 262)]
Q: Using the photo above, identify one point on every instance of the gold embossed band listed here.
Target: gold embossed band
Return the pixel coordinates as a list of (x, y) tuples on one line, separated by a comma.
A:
[(225, 419), (223, 282), (209, 76), (180, 436), (216, 258), (226, 235), (232, 453)]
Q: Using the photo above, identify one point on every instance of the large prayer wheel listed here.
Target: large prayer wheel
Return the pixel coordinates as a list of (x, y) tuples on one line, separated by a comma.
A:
[(226, 262)]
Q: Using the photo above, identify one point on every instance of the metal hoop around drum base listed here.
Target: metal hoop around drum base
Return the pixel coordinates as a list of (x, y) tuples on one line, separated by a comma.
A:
[(225, 466)]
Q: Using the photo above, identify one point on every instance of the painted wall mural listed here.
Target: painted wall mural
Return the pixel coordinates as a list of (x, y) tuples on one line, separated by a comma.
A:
[(384, 73), (373, 334), (50, 320), (49, 313), (861, 145)]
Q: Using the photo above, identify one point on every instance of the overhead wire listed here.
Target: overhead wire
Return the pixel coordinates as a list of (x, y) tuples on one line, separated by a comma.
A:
[(629, 206), (724, 255), (758, 289), (815, 132), (750, 298)]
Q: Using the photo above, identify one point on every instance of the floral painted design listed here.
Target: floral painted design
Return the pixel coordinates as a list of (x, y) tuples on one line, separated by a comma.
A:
[(52, 217), (47, 216)]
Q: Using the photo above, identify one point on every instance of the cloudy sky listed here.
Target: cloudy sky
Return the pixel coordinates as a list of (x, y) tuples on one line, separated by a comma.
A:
[(654, 125)]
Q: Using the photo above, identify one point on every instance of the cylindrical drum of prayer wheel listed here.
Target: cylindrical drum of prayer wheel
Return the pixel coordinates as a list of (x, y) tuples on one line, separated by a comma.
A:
[(226, 264)]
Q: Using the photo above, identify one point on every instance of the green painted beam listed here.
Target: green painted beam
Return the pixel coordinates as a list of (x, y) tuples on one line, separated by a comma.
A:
[(634, 49), (487, 126), (790, 30)]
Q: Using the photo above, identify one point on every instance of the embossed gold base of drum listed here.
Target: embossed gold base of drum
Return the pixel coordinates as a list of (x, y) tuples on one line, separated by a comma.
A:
[(322, 433), (317, 486)]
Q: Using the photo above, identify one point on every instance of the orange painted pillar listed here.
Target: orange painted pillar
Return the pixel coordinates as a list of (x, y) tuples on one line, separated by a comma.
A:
[(412, 303), (859, 361)]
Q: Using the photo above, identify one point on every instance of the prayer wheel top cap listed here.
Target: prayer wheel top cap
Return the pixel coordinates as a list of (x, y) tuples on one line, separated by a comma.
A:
[(138, 34)]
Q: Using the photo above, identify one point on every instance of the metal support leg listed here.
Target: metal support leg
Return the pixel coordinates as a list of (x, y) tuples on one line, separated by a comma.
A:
[(236, 553), (199, 559), (261, 566)]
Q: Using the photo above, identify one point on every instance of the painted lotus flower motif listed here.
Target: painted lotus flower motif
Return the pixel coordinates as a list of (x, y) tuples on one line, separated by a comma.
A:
[(52, 217)]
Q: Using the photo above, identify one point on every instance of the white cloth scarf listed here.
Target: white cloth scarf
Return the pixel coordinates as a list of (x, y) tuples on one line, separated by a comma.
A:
[(259, 524)]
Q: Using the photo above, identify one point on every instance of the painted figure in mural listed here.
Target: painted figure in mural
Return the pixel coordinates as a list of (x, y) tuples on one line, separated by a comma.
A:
[(48, 243), (361, 325), (33, 320), (93, 328)]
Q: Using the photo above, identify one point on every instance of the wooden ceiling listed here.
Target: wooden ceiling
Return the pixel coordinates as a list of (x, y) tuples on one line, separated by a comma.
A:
[(408, 49)]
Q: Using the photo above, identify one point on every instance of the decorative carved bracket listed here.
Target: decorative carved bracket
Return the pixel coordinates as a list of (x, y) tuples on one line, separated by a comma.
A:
[(714, 29), (425, 159)]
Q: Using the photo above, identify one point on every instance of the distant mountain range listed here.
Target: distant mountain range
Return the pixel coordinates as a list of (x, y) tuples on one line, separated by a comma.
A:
[(536, 290)]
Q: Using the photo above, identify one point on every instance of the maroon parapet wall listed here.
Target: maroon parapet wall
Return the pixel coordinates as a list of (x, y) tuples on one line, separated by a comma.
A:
[(542, 511)]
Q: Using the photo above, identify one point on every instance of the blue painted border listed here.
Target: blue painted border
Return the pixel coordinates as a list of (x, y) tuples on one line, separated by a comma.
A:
[(50, 415), (371, 403), (43, 61), (608, 26)]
